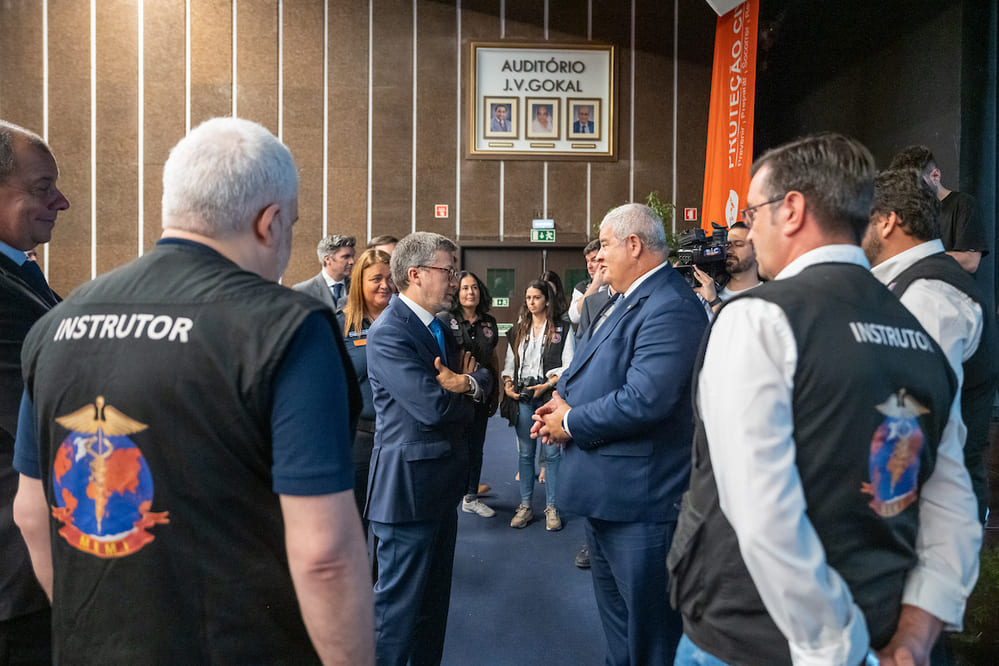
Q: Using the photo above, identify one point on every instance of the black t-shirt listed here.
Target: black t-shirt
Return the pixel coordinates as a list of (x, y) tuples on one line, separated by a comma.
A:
[(960, 227)]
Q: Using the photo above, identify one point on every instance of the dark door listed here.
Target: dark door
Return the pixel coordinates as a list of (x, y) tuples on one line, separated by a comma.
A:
[(506, 270)]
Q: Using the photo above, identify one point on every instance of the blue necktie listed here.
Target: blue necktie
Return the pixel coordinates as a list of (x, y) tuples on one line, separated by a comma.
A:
[(599, 319), (438, 331), (33, 275), (337, 291)]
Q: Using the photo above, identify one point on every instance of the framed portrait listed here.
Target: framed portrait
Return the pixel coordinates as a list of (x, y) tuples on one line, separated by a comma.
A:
[(582, 122), (502, 118), (542, 120)]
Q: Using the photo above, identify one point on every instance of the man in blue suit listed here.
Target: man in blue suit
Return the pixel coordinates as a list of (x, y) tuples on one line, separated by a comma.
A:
[(420, 457), (583, 124), (627, 447)]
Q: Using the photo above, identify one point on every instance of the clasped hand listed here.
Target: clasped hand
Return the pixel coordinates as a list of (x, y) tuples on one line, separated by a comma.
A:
[(548, 421), (456, 382)]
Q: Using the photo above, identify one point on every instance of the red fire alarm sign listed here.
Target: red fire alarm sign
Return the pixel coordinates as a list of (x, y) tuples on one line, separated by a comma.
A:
[(690, 214), (440, 210)]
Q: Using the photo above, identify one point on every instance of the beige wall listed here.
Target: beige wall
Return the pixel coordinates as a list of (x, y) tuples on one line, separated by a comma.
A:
[(111, 139)]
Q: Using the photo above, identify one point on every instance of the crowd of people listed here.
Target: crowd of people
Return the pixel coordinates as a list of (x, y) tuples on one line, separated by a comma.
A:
[(206, 466)]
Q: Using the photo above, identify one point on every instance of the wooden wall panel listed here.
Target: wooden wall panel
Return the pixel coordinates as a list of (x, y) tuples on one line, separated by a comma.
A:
[(696, 47), (524, 181), (436, 123), (303, 129), (22, 86), (164, 103), (69, 137), (211, 59), (480, 179), (257, 63), (392, 117), (610, 180), (490, 190), (654, 100), (117, 144), (348, 120)]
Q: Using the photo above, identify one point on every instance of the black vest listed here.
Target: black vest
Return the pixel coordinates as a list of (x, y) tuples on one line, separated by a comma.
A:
[(860, 354), (153, 389), (980, 371)]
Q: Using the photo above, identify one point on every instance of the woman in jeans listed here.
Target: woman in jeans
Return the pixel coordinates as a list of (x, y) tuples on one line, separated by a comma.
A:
[(539, 350)]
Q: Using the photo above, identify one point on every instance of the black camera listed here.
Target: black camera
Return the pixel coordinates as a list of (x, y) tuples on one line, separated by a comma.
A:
[(525, 394), (708, 254)]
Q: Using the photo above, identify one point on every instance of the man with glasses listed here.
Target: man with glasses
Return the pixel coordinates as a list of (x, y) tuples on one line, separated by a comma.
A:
[(829, 511), (740, 265), (420, 457)]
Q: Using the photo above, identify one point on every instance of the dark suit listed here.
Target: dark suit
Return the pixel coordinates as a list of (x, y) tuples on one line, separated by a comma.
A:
[(577, 127), (589, 310), (629, 460), (317, 288), (20, 307), (419, 468)]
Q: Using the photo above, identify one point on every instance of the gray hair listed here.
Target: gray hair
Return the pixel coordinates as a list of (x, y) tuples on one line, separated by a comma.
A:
[(222, 174), (640, 220), (328, 246), (7, 133), (835, 173), (416, 249)]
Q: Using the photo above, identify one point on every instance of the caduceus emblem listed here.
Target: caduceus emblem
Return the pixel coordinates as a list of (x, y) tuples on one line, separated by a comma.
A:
[(895, 455), (100, 421)]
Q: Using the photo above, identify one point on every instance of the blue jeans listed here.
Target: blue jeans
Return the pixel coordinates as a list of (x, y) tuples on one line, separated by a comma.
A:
[(688, 654), (527, 446)]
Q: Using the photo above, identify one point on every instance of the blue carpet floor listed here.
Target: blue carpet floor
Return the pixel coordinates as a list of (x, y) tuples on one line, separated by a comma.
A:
[(516, 596)]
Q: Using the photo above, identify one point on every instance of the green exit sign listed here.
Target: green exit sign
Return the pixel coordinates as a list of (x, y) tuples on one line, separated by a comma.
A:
[(542, 235)]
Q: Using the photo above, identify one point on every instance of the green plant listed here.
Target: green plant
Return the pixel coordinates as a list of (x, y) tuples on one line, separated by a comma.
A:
[(981, 619)]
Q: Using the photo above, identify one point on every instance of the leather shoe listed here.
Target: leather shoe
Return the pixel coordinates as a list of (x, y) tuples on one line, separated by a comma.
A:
[(583, 558)]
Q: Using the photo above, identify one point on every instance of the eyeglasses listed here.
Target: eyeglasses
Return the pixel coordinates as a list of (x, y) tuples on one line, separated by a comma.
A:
[(451, 273), (749, 213)]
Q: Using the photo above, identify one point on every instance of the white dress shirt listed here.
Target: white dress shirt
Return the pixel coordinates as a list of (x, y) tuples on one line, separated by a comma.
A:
[(744, 396), (530, 351), (947, 313)]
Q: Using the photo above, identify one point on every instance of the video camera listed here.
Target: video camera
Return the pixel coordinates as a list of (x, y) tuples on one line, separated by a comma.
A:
[(708, 254)]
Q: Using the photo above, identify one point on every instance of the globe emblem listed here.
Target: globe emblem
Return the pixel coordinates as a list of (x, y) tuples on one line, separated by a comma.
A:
[(102, 485)]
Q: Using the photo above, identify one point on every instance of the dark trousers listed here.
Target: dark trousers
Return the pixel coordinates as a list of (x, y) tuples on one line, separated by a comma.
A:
[(26, 640), (476, 442), (413, 590), (628, 563), (364, 442)]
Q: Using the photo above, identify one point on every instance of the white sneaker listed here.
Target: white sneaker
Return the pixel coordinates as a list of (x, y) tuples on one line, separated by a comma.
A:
[(475, 506)]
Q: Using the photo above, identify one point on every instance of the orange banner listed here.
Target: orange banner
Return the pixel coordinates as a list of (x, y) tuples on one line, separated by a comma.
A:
[(730, 119)]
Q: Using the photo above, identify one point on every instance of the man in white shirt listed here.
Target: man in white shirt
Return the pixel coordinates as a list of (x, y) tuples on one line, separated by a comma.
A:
[(906, 254), (589, 286), (819, 391)]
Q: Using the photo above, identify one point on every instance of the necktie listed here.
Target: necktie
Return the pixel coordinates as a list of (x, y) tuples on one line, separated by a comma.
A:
[(604, 313), (438, 331), (502, 124), (33, 275), (337, 291)]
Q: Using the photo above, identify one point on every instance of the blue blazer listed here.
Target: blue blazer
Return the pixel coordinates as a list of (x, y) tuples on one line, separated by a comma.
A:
[(419, 464), (631, 420)]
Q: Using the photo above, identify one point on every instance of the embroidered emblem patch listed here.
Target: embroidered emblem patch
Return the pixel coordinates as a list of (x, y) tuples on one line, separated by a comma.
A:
[(487, 331), (454, 324), (102, 485), (894, 461), (557, 337)]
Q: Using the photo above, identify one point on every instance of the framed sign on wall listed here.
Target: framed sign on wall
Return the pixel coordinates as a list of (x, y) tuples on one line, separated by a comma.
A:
[(542, 101)]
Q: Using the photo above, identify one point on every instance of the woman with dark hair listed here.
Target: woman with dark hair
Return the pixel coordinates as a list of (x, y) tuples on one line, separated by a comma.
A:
[(540, 349), (476, 331), (371, 290), (560, 303)]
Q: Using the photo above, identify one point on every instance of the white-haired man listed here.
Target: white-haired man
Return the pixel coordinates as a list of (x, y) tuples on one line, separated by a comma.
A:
[(197, 485), (623, 414)]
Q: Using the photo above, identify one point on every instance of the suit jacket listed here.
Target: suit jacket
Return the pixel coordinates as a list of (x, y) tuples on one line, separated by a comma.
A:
[(578, 127), (631, 422), (20, 308), (317, 288), (494, 126), (419, 464), (589, 310)]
